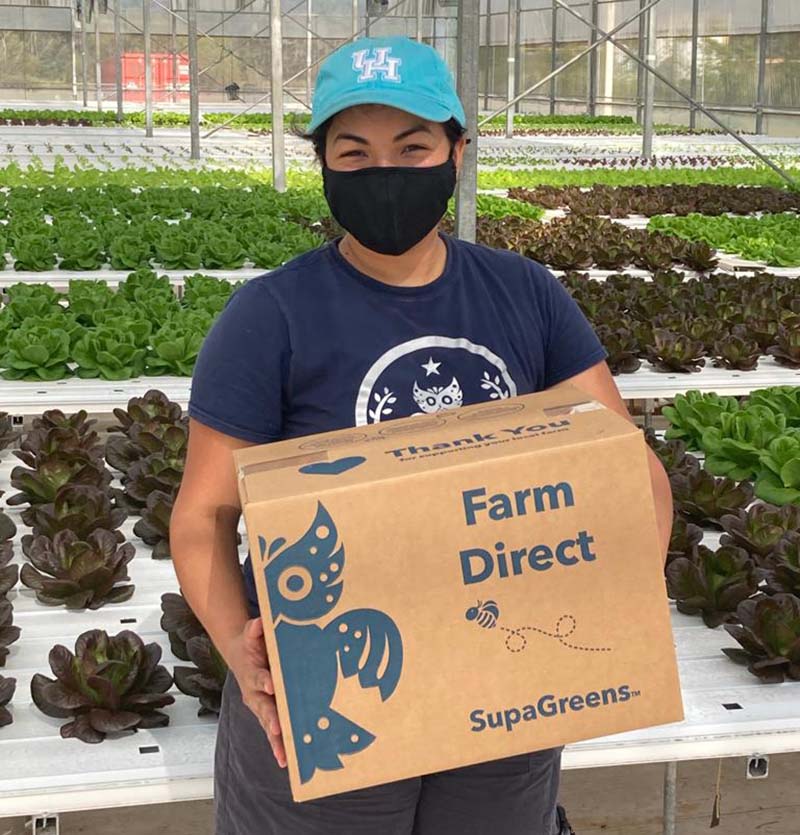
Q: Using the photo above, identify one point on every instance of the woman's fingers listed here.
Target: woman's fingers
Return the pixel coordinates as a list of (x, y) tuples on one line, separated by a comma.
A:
[(278, 750), (254, 628), (259, 679), (259, 693), (254, 640), (262, 681), (263, 707)]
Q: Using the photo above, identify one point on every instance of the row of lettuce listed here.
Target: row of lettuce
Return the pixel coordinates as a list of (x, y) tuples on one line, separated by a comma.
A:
[(524, 123), (56, 172), (93, 331), (180, 228), (143, 328), (674, 323), (91, 228)]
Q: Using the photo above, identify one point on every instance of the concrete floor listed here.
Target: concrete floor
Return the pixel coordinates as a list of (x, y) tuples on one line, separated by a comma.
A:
[(605, 801)]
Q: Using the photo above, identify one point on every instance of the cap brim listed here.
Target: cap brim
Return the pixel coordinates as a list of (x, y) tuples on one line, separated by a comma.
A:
[(420, 106)]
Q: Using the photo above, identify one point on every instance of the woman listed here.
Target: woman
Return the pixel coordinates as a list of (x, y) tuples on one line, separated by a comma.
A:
[(392, 319)]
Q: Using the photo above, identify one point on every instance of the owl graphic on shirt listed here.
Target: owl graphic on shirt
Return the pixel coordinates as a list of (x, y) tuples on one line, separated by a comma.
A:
[(437, 398)]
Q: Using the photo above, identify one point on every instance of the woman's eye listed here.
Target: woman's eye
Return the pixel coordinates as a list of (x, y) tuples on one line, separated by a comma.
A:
[(353, 153), (413, 148)]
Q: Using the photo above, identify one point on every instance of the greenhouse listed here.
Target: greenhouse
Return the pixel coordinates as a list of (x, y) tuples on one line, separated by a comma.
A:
[(500, 288)]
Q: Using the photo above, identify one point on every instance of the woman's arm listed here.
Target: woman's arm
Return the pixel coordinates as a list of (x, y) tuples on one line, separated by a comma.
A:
[(202, 536), (599, 383)]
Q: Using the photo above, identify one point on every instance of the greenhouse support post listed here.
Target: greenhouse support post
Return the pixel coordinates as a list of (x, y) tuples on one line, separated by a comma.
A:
[(118, 60), (553, 57), (468, 42), (173, 48), (84, 68), (73, 56), (664, 80), (648, 117), (309, 47), (608, 62), (488, 62), (194, 80), (518, 55), (98, 79), (605, 36), (148, 71), (354, 18), (762, 66), (276, 102), (513, 19), (640, 45), (592, 79), (419, 21), (693, 70)]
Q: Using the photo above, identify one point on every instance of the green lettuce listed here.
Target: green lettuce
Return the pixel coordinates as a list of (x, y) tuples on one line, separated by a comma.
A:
[(778, 480), (734, 447), (693, 412), (36, 353), (110, 354)]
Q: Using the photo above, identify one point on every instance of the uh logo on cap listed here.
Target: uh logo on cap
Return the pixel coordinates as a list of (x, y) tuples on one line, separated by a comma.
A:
[(370, 63)]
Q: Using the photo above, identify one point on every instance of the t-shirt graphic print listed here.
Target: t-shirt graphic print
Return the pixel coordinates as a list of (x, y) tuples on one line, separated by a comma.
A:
[(428, 374)]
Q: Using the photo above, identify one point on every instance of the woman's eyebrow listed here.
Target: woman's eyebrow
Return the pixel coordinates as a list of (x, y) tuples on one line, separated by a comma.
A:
[(416, 129), (352, 137)]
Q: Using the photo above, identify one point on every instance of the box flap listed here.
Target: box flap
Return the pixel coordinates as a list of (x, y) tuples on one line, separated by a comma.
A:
[(333, 460)]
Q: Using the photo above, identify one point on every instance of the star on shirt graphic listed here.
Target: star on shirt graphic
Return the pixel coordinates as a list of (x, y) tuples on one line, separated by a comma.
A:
[(431, 367)]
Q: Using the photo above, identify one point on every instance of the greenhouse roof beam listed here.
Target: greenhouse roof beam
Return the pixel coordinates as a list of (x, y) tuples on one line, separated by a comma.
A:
[(134, 26), (664, 80), (605, 36), (353, 37), (225, 51), (289, 16), (287, 81)]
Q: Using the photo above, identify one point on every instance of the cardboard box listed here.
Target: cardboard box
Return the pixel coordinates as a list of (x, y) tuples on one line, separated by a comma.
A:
[(454, 588)]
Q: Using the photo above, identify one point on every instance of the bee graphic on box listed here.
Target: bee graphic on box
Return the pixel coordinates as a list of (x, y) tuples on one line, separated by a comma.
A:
[(304, 583), (486, 614)]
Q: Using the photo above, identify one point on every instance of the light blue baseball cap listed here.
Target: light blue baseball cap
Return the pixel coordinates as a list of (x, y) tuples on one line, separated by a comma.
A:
[(394, 71)]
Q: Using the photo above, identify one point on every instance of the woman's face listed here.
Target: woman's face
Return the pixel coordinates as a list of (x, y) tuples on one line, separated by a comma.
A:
[(374, 134)]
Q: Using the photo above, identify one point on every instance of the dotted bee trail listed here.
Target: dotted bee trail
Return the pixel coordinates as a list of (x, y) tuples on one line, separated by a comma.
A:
[(559, 635)]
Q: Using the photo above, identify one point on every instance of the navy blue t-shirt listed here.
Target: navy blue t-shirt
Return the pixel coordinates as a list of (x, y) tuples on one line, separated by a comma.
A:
[(317, 345)]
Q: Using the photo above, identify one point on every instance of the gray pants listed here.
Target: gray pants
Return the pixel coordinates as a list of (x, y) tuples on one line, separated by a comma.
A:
[(512, 796)]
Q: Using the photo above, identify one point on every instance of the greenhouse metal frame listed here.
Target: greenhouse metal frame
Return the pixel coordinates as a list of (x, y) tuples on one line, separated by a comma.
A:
[(472, 26), (551, 56), (762, 34)]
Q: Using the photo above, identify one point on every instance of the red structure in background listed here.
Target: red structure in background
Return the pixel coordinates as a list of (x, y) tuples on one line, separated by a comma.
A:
[(163, 76)]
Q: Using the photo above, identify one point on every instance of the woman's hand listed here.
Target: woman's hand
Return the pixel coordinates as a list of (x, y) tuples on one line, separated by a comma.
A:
[(250, 666)]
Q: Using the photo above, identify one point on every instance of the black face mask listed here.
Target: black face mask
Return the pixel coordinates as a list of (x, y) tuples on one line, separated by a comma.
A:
[(390, 209)]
